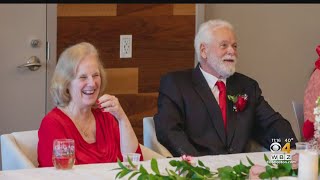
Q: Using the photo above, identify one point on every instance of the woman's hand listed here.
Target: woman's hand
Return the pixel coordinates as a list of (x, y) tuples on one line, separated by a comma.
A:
[(109, 103), (128, 139)]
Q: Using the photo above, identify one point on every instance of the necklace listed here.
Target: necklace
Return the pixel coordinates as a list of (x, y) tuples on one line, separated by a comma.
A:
[(84, 131)]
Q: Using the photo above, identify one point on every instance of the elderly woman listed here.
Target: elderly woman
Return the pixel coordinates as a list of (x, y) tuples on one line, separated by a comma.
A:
[(99, 126)]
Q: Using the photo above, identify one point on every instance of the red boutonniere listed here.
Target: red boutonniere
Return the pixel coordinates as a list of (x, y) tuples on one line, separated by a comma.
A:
[(239, 102)]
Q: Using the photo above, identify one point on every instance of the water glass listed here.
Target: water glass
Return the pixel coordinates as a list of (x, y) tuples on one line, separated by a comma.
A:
[(134, 157), (63, 154), (302, 146), (308, 165)]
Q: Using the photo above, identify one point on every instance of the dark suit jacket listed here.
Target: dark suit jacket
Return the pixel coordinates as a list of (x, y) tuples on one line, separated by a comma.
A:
[(189, 119)]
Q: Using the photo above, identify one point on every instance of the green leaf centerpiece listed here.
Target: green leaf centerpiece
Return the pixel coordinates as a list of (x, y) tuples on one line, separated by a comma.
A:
[(183, 170)]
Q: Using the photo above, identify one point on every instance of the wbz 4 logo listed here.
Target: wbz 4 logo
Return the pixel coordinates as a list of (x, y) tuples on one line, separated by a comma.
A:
[(280, 153)]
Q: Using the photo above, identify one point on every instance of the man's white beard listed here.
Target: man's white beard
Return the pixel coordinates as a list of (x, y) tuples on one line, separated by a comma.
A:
[(222, 68)]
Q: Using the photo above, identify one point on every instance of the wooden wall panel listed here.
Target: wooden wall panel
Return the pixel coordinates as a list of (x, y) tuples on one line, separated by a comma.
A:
[(122, 80), (86, 10), (160, 43), (184, 9), (138, 106), (144, 9)]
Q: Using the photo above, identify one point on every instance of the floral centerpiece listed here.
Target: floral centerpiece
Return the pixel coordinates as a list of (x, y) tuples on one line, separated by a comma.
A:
[(311, 127), (315, 141)]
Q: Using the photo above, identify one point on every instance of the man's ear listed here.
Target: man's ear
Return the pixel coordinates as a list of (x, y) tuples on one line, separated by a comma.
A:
[(203, 51)]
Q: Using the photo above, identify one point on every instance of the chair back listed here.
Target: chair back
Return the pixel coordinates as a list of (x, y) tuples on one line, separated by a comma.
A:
[(298, 112), (150, 138), (19, 150), (149, 154)]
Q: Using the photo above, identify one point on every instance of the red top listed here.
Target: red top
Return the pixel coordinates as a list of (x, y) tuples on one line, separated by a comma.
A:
[(57, 125)]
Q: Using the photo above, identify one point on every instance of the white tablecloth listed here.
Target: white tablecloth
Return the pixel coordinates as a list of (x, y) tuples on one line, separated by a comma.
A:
[(104, 171)]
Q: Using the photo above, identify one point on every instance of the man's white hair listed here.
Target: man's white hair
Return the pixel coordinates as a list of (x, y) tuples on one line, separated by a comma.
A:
[(204, 34)]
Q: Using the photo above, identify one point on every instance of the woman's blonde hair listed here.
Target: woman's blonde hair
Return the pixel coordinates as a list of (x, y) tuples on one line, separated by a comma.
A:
[(65, 71)]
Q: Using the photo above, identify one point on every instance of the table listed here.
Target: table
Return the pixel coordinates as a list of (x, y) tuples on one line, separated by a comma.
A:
[(104, 171)]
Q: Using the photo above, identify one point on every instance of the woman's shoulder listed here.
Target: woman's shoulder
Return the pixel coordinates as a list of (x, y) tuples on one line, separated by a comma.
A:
[(55, 116), (55, 112)]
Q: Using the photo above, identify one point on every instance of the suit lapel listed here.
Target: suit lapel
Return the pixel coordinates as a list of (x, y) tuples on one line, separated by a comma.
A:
[(202, 88), (231, 114)]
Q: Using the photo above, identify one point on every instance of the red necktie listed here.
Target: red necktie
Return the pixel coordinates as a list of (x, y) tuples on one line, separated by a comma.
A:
[(222, 101)]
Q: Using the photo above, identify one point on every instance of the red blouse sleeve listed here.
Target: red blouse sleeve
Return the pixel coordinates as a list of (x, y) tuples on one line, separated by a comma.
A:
[(49, 130), (140, 152)]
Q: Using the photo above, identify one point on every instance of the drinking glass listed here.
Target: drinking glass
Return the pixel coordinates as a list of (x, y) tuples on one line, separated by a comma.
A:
[(134, 157), (63, 153), (308, 165)]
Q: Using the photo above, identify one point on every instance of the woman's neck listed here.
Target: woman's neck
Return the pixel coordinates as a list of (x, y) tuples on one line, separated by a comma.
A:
[(77, 113), (84, 121)]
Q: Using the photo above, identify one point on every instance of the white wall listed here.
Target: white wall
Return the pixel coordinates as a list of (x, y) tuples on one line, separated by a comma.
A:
[(276, 47)]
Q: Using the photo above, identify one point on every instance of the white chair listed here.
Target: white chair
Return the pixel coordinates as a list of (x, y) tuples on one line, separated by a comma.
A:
[(148, 154), (19, 150), (150, 138), (298, 112)]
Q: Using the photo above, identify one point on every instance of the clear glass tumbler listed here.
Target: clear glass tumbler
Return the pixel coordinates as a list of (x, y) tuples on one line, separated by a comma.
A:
[(134, 157), (63, 154)]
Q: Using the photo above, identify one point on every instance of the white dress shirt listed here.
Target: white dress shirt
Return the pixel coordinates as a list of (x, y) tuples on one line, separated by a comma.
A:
[(211, 80)]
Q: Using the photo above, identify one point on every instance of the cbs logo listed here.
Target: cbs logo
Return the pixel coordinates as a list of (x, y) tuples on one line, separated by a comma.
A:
[(276, 147)]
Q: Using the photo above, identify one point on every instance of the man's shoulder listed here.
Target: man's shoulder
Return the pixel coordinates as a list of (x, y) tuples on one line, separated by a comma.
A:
[(239, 77), (179, 75), (182, 79)]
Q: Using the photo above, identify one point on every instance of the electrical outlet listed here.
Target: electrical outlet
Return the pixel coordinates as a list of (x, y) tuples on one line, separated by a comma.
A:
[(125, 46)]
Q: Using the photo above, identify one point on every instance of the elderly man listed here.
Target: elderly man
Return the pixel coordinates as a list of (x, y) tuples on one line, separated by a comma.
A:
[(212, 109)]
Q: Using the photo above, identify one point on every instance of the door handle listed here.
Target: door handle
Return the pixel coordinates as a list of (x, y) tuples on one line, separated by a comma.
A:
[(33, 64)]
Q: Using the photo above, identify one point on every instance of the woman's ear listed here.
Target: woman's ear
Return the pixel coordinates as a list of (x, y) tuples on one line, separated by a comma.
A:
[(203, 51)]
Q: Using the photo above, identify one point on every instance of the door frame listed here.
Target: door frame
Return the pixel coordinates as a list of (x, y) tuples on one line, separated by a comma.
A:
[(52, 54), (200, 16)]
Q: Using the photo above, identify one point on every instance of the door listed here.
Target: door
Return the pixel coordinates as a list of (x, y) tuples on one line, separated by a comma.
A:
[(23, 37), (23, 90)]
